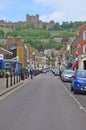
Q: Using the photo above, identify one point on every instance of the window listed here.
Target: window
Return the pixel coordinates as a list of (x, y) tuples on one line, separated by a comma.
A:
[(84, 49), (81, 74), (84, 35), (6, 65)]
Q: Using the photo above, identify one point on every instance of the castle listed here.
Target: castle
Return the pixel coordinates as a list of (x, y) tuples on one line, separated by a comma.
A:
[(29, 20)]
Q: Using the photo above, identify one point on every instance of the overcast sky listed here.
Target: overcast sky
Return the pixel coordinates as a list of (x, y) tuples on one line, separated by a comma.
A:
[(57, 10)]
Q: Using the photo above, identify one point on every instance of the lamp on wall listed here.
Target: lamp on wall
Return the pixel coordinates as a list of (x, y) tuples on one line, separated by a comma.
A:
[(33, 56)]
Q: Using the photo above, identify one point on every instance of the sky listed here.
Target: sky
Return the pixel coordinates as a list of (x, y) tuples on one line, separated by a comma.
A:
[(57, 10)]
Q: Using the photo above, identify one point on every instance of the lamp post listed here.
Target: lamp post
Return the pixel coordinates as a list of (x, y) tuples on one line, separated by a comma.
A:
[(34, 60), (33, 56)]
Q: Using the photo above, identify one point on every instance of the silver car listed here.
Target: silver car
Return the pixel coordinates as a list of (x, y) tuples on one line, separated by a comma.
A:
[(67, 75)]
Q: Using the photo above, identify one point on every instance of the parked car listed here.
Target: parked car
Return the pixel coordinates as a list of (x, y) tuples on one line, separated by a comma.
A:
[(56, 73), (44, 71), (67, 75), (53, 70), (79, 81)]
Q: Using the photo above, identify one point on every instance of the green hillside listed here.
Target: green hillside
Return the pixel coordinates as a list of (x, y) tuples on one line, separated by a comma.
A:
[(42, 38)]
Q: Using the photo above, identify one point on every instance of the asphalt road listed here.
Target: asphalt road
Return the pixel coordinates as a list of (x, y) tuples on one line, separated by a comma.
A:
[(81, 96), (44, 103)]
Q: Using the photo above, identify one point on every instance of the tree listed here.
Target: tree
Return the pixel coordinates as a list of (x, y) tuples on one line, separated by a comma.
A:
[(56, 27), (2, 33)]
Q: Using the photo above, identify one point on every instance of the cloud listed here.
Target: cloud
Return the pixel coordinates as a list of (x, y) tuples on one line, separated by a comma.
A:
[(49, 2), (56, 16), (63, 4), (43, 18), (82, 18), (57, 10), (44, 2)]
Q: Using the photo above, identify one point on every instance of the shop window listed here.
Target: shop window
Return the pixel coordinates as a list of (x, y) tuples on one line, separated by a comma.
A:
[(6, 65), (84, 65), (0, 65)]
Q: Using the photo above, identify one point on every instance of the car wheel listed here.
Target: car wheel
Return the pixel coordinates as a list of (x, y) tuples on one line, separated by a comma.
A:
[(61, 78), (75, 91)]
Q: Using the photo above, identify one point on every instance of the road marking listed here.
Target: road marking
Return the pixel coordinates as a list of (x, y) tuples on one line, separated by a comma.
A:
[(80, 105)]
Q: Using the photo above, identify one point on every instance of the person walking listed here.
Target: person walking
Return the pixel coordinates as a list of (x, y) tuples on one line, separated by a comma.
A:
[(31, 73)]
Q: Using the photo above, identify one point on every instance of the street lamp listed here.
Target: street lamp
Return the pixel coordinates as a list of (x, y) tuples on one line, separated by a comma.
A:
[(33, 56), (34, 60)]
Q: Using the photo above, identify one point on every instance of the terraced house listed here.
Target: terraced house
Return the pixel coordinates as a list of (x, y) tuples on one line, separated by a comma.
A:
[(78, 47)]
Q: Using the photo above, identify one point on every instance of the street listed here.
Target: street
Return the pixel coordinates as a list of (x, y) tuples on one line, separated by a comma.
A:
[(43, 103)]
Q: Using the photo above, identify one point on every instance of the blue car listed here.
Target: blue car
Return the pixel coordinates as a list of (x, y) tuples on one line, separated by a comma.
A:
[(78, 83)]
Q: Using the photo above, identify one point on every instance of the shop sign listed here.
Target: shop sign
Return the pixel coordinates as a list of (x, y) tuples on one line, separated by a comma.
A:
[(79, 46), (1, 56), (71, 57), (68, 47)]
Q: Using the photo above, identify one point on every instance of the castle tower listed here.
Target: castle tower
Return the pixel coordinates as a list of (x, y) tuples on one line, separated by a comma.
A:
[(32, 19)]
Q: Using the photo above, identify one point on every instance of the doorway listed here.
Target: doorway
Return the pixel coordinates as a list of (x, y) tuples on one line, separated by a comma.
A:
[(84, 65), (0, 65)]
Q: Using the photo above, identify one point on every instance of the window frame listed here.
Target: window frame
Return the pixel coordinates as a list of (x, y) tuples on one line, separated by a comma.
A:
[(84, 48), (84, 35)]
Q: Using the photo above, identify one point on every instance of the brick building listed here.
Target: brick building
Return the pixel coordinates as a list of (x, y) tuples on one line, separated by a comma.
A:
[(78, 47)]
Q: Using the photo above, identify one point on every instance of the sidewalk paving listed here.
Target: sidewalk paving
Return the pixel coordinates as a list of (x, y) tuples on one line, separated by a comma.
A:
[(4, 89)]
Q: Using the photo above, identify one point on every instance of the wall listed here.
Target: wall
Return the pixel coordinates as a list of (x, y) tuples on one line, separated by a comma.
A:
[(22, 54)]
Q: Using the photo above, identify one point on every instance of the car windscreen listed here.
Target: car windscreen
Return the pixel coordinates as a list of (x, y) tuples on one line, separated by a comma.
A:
[(69, 72), (81, 74)]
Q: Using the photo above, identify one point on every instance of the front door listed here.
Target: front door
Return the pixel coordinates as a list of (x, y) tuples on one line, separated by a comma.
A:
[(84, 65)]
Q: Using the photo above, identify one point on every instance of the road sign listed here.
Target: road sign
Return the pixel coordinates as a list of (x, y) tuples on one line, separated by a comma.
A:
[(79, 46)]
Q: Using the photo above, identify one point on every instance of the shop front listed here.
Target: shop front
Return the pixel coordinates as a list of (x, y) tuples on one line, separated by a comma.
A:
[(82, 62), (12, 66)]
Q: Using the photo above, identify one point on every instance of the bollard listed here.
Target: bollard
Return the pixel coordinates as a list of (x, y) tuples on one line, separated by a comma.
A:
[(6, 80), (28, 74), (14, 78), (17, 78), (22, 76), (11, 80)]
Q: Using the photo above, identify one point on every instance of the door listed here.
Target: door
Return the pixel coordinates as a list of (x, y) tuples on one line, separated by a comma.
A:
[(84, 65)]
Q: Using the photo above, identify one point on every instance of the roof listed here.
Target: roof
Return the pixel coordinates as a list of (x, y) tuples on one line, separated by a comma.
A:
[(12, 61), (4, 51)]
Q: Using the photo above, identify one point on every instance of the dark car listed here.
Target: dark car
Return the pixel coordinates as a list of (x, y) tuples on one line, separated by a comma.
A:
[(79, 81), (56, 73)]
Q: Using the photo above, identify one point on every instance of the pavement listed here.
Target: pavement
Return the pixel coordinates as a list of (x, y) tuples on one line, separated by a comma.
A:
[(4, 89)]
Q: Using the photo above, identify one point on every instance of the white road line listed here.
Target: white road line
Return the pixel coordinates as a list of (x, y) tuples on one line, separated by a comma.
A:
[(80, 105)]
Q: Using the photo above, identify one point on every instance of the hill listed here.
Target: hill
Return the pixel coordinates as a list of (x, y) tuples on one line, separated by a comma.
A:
[(41, 38)]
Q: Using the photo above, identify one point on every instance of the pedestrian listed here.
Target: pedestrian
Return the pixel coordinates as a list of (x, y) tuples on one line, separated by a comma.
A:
[(31, 73), (60, 72)]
